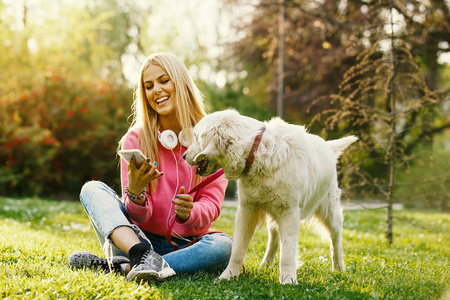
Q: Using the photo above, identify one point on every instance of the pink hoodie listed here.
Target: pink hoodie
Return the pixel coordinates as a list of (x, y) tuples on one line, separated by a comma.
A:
[(158, 210)]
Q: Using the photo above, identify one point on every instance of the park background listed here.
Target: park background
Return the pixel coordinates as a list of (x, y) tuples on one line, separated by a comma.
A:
[(379, 70), (69, 69)]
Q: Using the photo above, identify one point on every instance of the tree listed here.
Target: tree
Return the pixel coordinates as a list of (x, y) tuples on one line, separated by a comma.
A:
[(317, 40), (386, 100), (343, 49), (322, 41), (86, 41), (59, 121)]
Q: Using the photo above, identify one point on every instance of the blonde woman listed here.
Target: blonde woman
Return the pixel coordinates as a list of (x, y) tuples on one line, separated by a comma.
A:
[(132, 230)]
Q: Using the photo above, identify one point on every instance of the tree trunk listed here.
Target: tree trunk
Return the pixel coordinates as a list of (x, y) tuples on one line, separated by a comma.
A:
[(281, 37), (392, 151), (390, 200)]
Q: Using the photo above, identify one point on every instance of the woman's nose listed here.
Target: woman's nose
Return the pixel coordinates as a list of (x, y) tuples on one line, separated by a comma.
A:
[(157, 88)]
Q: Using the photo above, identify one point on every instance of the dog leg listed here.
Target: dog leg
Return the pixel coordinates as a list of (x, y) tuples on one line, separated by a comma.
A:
[(337, 252), (335, 228), (246, 220), (289, 227), (272, 244), (332, 218)]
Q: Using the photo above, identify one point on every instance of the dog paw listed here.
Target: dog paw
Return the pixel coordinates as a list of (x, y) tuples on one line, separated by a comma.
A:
[(288, 279), (265, 264), (219, 279), (226, 275), (339, 267)]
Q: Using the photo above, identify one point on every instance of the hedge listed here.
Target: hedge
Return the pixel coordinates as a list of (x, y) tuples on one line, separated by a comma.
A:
[(59, 134)]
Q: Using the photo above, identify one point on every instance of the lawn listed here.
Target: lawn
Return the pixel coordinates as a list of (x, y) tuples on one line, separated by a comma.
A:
[(38, 235)]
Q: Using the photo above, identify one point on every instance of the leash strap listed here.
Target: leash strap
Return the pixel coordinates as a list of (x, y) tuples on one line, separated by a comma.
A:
[(196, 189)]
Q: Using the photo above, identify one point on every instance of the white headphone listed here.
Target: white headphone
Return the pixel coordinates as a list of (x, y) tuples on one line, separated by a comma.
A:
[(169, 139)]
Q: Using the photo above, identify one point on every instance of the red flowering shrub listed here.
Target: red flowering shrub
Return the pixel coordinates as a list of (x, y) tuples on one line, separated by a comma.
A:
[(57, 136)]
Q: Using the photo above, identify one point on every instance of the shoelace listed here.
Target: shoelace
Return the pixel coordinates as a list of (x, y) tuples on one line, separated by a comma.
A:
[(149, 259), (103, 264), (144, 257)]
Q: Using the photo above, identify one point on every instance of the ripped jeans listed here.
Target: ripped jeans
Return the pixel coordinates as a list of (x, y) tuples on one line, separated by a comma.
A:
[(107, 212)]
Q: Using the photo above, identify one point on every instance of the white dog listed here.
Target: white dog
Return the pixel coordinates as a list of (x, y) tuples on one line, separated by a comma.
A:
[(288, 177)]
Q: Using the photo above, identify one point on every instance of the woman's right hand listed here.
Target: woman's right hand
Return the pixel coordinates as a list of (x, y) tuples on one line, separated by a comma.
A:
[(138, 179)]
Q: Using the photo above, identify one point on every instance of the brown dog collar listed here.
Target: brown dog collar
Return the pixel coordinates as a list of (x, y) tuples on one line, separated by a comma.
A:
[(251, 155)]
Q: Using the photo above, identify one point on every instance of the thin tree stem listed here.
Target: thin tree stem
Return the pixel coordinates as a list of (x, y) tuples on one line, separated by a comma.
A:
[(393, 138)]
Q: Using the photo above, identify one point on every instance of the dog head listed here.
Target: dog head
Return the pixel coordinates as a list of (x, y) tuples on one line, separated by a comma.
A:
[(221, 140)]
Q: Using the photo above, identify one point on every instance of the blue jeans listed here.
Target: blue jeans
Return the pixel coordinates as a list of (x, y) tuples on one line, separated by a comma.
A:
[(107, 212)]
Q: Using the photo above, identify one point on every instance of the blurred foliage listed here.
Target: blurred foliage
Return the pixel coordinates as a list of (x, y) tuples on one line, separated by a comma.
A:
[(64, 97), (322, 41), (84, 41), (338, 79), (52, 140), (385, 101), (425, 181), (233, 96)]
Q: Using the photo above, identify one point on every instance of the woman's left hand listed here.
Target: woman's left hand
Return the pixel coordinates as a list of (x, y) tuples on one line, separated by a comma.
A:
[(183, 204)]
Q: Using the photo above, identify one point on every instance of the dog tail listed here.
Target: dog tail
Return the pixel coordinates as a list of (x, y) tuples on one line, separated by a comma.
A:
[(339, 145)]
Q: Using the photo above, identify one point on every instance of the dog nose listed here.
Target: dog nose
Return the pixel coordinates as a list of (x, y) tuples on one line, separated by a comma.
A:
[(184, 156)]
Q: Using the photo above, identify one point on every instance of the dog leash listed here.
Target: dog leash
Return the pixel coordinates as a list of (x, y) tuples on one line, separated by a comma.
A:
[(196, 189)]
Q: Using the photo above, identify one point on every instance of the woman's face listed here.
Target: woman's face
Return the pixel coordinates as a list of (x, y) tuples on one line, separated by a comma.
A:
[(160, 90)]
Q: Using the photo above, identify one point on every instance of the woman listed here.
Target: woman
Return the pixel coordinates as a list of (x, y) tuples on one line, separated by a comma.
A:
[(132, 231)]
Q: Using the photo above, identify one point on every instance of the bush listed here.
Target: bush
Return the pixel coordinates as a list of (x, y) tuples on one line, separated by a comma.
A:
[(60, 134)]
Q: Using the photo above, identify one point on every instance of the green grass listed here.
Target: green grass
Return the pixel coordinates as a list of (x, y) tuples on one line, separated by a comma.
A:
[(37, 236)]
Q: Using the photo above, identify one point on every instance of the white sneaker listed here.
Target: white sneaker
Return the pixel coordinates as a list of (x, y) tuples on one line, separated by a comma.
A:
[(152, 267), (85, 259)]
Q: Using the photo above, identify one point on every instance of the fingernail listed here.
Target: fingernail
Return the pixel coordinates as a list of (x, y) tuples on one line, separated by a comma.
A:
[(148, 159), (155, 163), (172, 201), (131, 158), (177, 196), (162, 174)]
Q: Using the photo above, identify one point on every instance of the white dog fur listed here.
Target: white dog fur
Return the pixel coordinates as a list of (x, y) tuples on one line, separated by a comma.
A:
[(293, 178)]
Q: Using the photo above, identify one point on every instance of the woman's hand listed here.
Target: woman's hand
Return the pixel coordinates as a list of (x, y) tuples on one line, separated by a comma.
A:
[(138, 179), (184, 204)]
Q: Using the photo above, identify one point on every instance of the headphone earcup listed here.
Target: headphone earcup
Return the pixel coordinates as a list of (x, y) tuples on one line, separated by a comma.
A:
[(184, 139), (168, 139)]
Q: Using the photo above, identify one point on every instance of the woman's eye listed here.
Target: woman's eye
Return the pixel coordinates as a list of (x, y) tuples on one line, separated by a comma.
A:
[(148, 87), (165, 81)]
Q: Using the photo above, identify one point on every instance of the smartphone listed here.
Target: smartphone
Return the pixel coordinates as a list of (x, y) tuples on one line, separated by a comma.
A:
[(138, 155)]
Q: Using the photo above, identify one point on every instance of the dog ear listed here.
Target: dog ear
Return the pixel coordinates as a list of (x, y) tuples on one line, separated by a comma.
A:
[(209, 151)]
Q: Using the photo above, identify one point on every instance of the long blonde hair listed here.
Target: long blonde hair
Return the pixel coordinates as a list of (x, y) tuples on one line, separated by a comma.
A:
[(189, 106)]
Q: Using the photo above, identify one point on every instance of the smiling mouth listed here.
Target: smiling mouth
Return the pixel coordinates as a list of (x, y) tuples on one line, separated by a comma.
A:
[(162, 100), (202, 166)]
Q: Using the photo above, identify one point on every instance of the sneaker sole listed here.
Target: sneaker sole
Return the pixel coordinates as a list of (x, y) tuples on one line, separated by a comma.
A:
[(83, 259), (150, 276)]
